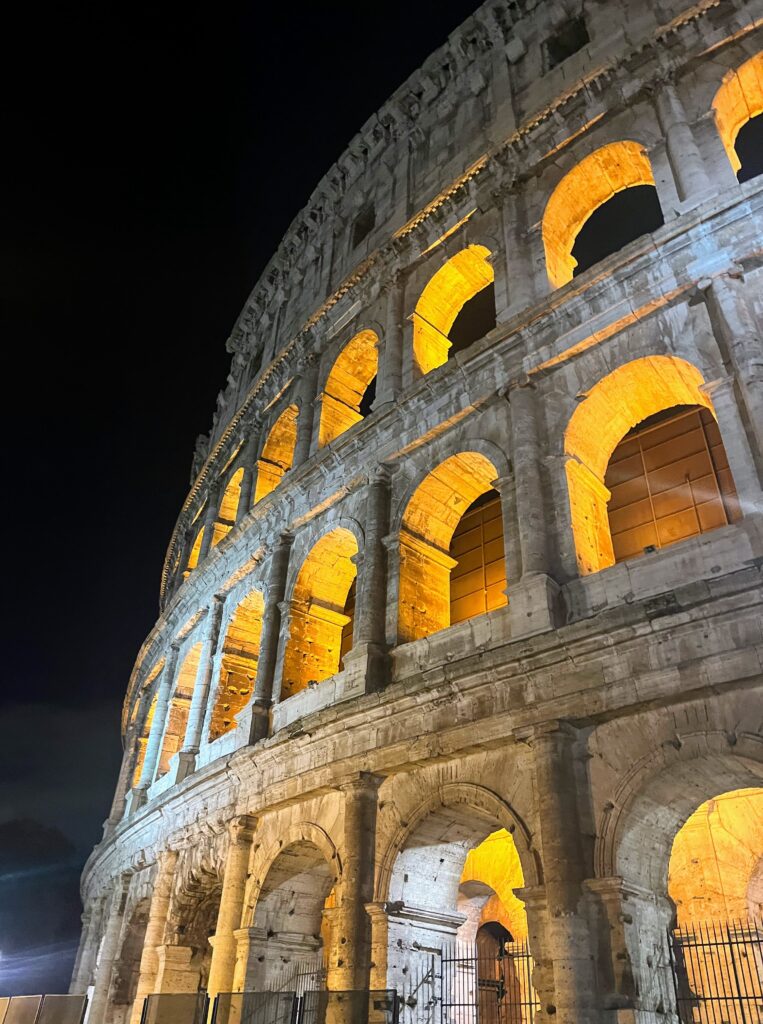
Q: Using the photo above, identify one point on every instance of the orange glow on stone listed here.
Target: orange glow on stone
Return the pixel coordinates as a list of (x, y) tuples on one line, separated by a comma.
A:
[(353, 371), (448, 291), (429, 521), (317, 613), (277, 453), (619, 402), (739, 99), (582, 191)]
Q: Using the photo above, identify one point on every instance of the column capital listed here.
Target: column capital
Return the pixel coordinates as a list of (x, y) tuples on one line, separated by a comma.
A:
[(554, 728), (241, 829), (360, 782)]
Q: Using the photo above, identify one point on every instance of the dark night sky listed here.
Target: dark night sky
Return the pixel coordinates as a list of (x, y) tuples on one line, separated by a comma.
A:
[(155, 156)]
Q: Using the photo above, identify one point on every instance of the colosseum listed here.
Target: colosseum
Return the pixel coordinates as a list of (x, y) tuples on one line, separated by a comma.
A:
[(452, 711)]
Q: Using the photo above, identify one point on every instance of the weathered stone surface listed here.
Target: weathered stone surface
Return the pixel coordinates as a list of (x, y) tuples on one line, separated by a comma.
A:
[(290, 786)]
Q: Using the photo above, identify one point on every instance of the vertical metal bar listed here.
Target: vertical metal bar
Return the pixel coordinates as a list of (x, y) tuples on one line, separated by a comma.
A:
[(674, 971), (717, 990), (722, 987), (736, 976)]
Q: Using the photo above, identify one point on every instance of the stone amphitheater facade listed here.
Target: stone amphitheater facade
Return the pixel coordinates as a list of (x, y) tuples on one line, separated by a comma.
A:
[(316, 732)]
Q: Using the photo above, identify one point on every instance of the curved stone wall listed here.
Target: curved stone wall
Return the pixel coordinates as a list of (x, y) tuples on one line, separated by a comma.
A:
[(306, 736)]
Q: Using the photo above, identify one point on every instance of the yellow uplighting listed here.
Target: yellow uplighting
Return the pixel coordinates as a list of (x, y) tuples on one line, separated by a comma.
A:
[(739, 99), (193, 558), (583, 190), (317, 613), (716, 858), (143, 742), (495, 862), (238, 669), (615, 405), (226, 515), (353, 371), (448, 291), (177, 716), (430, 519), (277, 453)]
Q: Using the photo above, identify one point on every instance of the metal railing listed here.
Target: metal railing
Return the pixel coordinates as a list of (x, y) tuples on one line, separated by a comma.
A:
[(718, 972), (480, 987), (311, 1006)]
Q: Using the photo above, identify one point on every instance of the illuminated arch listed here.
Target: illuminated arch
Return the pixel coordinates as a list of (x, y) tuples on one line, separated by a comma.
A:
[(354, 369), (583, 190), (714, 858), (616, 404), (193, 557), (739, 99), (428, 524), (318, 617), (180, 705), (448, 291), (241, 649), (142, 741), (277, 452), (226, 514)]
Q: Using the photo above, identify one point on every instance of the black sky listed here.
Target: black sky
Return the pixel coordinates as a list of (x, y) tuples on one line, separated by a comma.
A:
[(154, 156)]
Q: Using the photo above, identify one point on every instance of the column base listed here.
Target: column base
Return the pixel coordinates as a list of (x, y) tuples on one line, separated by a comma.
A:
[(367, 663), (175, 973), (535, 606), (253, 724), (135, 799), (185, 764)]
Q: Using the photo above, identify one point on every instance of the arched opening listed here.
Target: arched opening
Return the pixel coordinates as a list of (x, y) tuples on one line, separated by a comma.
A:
[(277, 453), (669, 479), (628, 397), (192, 923), (595, 181), (177, 713), (193, 557), (687, 858), (124, 983), (238, 667), (431, 549), (142, 741), (455, 309), (738, 107), (226, 514), (290, 931), (318, 614), (478, 579), (350, 387), (627, 215), (715, 860), (451, 894)]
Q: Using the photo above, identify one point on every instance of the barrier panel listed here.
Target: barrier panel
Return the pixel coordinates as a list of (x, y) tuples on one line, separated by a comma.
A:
[(358, 1007), (254, 1008), (53, 1009), (175, 1008)]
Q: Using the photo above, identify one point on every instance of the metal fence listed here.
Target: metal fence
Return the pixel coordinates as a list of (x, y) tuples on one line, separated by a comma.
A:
[(718, 972), (54, 1009), (479, 987)]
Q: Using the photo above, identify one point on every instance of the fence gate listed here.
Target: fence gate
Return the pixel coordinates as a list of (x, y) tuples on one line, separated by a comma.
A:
[(718, 972), (481, 987)]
